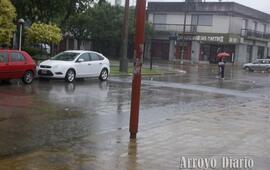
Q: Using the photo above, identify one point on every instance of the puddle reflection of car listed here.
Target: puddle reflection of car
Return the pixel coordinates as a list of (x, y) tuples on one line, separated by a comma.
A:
[(258, 65), (86, 94), (73, 64)]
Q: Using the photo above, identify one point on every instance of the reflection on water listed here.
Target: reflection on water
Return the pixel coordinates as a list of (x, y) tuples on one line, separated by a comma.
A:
[(132, 155)]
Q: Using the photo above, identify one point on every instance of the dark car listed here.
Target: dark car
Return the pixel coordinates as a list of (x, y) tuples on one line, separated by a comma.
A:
[(16, 65)]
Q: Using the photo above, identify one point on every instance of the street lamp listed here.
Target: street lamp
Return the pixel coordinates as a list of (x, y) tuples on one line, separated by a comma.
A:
[(21, 22)]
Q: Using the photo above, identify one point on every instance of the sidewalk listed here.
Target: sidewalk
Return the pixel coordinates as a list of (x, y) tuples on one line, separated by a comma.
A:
[(241, 129), (157, 69)]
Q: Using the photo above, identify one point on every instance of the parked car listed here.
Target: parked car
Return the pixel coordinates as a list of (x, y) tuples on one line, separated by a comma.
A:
[(17, 65), (258, 65), (73, 64)]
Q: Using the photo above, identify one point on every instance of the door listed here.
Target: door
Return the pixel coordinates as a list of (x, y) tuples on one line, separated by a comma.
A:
[(263, 65), (83, 65), (256, 65), (96, 64), (18, 65), (4, 66), (249, 53)]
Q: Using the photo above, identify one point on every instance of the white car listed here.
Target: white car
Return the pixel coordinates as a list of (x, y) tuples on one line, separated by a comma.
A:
[(75, 64), (258, 65)]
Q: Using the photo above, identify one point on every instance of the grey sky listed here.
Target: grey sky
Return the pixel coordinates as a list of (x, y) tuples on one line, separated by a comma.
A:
[(262, 5)]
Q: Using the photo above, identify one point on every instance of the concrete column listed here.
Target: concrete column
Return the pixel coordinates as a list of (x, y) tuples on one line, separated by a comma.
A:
[(195, 52), (241, 55), (265, 52), (172, 50)]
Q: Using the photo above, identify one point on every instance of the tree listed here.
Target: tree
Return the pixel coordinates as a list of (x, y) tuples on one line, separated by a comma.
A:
[(79, 27), (50, 11), (44, 33), (105, 27), (123, 60), (8, 14)]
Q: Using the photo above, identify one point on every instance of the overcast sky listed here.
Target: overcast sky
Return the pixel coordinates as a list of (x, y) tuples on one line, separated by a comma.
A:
[(262, 5)]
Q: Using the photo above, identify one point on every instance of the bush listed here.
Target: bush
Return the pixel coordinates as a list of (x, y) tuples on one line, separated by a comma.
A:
[(35, 53)]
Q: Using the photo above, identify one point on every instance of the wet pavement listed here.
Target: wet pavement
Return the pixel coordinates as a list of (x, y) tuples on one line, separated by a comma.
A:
[(84, 125)]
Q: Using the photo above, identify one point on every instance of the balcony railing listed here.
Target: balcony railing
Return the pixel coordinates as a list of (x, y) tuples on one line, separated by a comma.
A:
[(254, 34), (175, 27)]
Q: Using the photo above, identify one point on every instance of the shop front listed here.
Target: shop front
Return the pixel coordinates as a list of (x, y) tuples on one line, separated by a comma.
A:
[(209, 46), (209, 51)]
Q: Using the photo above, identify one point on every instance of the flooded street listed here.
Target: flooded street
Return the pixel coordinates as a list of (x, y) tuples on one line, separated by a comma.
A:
[(52, 125)]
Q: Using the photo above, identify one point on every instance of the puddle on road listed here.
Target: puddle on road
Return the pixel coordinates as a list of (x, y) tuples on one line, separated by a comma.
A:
[(232, 85)]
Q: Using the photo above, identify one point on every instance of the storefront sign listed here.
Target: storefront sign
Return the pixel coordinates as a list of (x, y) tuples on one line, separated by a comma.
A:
[(208, 38)]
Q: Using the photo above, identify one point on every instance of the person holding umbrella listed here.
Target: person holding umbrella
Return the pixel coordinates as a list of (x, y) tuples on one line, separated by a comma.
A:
[(221, 64)]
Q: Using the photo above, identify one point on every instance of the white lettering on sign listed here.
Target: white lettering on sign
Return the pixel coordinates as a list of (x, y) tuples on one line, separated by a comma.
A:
[(203, 38)]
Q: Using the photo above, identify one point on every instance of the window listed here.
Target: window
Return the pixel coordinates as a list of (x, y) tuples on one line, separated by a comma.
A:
[(100, 57), (255, 25), (15, 57), (205, 20), (65, 56), (3, 57), (160, 22), (194, 23), (245, 24), (160, 19), (94, 57), (264, 28), (85, 57)]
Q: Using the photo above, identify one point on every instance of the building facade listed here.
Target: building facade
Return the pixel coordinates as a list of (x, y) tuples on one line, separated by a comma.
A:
[(195, 31)]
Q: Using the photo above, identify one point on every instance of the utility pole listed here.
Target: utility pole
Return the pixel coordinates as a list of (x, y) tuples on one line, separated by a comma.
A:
[(183, 35), (136, 82), (124, 60)]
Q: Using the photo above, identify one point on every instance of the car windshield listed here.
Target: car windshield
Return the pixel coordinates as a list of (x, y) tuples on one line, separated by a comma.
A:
[(66, 56)]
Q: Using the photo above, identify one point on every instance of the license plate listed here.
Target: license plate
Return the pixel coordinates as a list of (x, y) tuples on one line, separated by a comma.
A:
[(43, 71)]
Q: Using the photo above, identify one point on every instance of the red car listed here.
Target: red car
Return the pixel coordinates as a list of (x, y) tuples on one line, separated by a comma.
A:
[(16, 65)]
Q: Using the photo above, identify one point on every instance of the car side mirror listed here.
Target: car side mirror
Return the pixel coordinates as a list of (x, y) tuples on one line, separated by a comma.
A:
[(80, 60)]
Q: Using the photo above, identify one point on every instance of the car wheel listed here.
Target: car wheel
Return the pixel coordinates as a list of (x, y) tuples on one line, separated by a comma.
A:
[(28, 77), (248, 69), (70, 76), (103, 75)]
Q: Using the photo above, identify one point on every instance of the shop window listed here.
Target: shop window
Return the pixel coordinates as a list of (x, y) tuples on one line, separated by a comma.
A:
[(249, 53), (260, 52)]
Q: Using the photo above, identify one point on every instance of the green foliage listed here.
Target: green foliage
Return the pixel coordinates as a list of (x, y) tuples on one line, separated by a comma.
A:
[(50, 11), (7, 15), (106, 22), (32, 51), (79, 27), (44, 33)]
